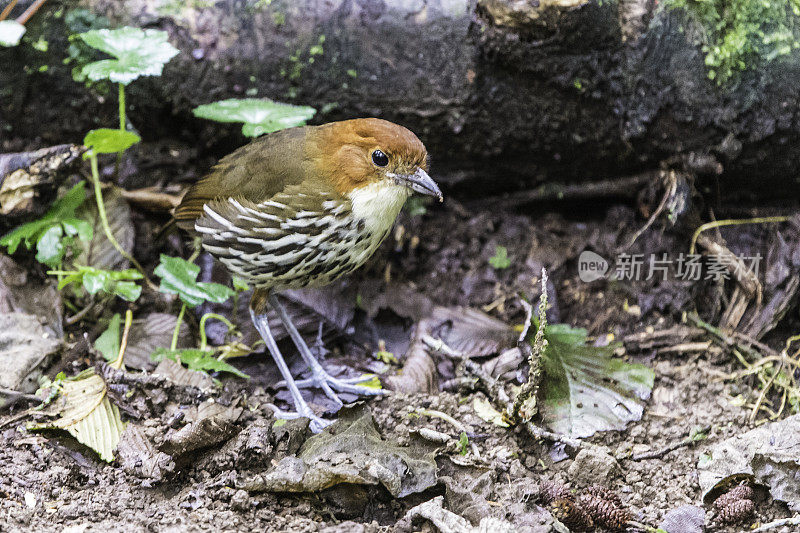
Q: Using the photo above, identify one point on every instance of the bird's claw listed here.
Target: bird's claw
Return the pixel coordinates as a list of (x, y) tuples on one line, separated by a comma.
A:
[(316, 424), (322, 380)]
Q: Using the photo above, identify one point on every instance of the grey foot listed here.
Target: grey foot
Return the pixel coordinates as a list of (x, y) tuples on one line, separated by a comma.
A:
[(316, 424), (322, 380)]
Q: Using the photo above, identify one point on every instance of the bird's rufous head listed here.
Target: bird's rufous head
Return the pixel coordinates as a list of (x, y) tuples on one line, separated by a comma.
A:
[(356, 153)]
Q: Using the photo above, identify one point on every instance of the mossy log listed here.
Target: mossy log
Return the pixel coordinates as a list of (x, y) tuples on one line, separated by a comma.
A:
[(506, 94)]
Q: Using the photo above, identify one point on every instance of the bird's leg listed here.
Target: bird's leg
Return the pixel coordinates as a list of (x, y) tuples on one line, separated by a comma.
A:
[(317, 424), (320, 378)]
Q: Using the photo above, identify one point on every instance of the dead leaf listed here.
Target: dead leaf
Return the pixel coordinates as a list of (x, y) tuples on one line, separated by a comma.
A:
[(351, 451), (769, 455)]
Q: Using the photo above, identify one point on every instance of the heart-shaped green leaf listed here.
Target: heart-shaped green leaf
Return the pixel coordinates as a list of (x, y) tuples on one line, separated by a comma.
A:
[(259, 116), (137, 53), (110, 141), (179, 276)]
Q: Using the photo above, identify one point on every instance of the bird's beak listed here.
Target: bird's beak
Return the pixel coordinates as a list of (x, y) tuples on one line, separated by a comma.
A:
[(420, 182)]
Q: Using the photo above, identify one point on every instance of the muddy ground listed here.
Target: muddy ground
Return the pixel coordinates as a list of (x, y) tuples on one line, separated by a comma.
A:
[(443, 256)]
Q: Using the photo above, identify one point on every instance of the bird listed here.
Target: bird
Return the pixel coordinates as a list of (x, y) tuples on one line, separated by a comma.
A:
[(302, 207)]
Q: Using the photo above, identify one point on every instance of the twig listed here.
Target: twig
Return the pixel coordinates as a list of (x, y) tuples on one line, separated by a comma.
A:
[(77, 317), (7, 10), (461, 428), (539, 433), (672, 187), (793, 521), (625, 187), (32, 9), (18, 416), (733, 222), (657, 454), (17, 395)]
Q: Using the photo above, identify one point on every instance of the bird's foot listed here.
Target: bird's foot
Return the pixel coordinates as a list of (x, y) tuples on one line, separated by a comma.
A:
[(322, 380), (316, 424)]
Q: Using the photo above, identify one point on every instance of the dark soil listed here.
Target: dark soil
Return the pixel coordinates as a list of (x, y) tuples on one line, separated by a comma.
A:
[(443, 255)]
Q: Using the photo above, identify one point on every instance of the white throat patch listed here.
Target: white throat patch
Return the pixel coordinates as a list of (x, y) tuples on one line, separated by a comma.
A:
[(378, 204)]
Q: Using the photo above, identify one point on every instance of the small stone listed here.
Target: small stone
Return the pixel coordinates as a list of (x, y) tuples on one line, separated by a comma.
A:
[(240, 501), (594, 465)]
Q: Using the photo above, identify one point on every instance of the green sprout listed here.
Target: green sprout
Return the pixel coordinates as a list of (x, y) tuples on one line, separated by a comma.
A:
[(500, 259), (463, 443), (136, 53)]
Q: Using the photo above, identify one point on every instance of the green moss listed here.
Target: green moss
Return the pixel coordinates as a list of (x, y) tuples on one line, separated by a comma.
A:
[(738, 34)]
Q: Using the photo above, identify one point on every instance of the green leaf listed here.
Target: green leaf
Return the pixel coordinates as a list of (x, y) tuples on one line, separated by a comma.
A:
[(500, 259), (81, 228), (463, 443), (61, 212), (49, 248), (585, 388), (10, 32), (259, 116), (179, 276), (201, 360), (94, 280), (110, 141), (108, 341), (137, 53), (128, 290)]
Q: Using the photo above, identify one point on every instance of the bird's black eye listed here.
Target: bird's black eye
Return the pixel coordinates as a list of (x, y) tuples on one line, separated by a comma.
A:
[(379, 158)]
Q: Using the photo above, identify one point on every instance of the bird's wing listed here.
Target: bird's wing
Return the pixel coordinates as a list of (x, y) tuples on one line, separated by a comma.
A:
[(254, 173), (269, 238)]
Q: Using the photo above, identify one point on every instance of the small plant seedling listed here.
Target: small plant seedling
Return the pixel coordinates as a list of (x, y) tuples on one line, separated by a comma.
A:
[(200, 360), (55, 231), (117, 282), (259, 116), (136, 53), (463, 443), (500, 259)]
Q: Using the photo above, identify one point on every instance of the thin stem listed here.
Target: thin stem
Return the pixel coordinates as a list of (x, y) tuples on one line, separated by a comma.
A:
[(124, 343), (122, 107), (177, 331), (121, 100), (203, 338), (7, 10), (101, 211), (732, 222), (34, 7)]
